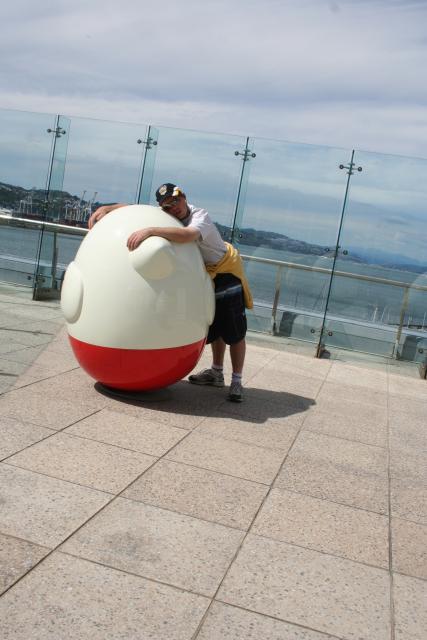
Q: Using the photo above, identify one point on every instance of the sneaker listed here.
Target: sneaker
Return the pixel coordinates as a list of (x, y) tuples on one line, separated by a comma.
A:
[(208, 376), (236, 392)]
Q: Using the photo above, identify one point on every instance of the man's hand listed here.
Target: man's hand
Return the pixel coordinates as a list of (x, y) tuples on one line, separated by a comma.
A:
[(101, 212), (137, 237)]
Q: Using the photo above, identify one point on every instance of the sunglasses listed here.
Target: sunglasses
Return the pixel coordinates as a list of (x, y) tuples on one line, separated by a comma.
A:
[(171, 203)]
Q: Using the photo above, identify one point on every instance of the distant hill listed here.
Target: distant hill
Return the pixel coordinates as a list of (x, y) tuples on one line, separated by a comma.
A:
[(281, 242), (32, 200)]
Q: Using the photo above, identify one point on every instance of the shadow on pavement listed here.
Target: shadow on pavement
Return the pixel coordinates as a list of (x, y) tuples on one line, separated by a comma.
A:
[(258, 405)]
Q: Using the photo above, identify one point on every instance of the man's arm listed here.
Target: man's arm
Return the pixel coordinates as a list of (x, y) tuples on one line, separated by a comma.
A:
[(101, 212), (173, 234)]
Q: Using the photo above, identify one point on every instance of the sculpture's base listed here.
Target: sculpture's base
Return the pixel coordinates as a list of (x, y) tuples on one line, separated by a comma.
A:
[(137, 369)]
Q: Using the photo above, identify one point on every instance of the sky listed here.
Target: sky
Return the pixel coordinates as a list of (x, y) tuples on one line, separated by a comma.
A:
[(342, 73)]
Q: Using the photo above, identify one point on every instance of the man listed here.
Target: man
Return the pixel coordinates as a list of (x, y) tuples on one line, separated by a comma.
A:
[(225, 266)]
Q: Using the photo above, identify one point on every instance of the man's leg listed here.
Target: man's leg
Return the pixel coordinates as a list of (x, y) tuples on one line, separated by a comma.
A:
[(237, 354), (213, 376), (218, 347)]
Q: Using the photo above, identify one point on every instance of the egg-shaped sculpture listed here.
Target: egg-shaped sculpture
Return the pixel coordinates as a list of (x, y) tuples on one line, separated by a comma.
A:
[(137, 320)]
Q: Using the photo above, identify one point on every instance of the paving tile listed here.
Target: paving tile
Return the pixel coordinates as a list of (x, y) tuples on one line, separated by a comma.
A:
[(350, 427), (126, 431), (355, 376), (302, 365), (35, 311), (409, 408), (224, 621), (273, 434), (10, 346), (29, 405), (24, 354), (348, 406), (5, 385), (23, 381), (408, 387), (409, 499), (274, 380), (227, 456), (182, 405), (16, 558), (86, 462), (70, 385), (409, 544), (301, 586), (352, 393), (256, 356), (338, 470), (51, 326), (200, 493), (9, 368), (158, 544), (16, 435), (72, 599), (318, 524), (25, 338), (409, 434), (410, 611), (43, 510), (408, 463)]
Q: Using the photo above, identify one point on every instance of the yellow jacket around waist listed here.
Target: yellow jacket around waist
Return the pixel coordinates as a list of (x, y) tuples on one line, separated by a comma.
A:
[(232, 263)]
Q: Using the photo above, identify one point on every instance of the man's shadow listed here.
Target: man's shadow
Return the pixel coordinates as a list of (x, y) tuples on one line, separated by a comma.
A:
[(184, 398)]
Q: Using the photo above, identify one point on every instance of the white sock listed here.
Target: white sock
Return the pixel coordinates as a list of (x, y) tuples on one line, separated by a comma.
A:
[(217, 367), (236, 377)]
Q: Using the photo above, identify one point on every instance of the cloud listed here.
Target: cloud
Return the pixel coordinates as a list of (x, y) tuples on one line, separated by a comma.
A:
[(340, 73)]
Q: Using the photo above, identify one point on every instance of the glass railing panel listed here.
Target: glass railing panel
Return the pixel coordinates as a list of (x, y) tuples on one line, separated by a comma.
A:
[(57, 251), (19, 240), (383, 240), (103, 165), (290, 210), (25, 151), (145, 185), (18, 252), (205, 166), (54, 204)]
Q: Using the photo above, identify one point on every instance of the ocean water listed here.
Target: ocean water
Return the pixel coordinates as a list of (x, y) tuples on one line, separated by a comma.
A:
[(305, 291)]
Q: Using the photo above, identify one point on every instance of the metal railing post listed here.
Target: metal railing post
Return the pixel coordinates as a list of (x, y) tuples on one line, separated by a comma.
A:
[(403, 308), (276, 300)]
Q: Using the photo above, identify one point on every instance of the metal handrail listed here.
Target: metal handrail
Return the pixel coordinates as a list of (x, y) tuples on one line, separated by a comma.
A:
[(27, 223), (280, 264), (81, 231), (347, 274)]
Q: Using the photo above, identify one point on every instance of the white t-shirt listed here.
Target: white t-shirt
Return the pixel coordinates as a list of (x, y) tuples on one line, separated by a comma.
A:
[(210, 243)]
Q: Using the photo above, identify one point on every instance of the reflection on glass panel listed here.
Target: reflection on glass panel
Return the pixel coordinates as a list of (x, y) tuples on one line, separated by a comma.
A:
[(55, 196), (283, 306), (57, 250), (384, 239), (148, 162), (25, 148), (103, 166), (205, 166), (18, 251), (290, 211)]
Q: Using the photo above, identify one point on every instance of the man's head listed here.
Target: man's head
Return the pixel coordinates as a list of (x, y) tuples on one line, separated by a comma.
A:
[(172, 200)]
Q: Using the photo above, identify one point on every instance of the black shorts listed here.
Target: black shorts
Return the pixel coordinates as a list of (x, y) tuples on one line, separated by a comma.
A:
[(230, 318)]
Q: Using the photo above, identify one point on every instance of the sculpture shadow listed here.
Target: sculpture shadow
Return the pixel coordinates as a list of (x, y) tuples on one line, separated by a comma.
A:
[(258, 406)]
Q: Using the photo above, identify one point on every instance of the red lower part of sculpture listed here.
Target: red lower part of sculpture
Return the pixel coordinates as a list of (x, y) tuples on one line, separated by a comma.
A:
[(137, 369)]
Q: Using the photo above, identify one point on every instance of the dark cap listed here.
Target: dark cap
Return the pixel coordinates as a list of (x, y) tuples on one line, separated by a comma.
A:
[(168, 190)]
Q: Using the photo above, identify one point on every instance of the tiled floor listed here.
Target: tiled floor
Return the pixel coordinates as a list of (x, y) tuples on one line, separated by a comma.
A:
[(298, 515)]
